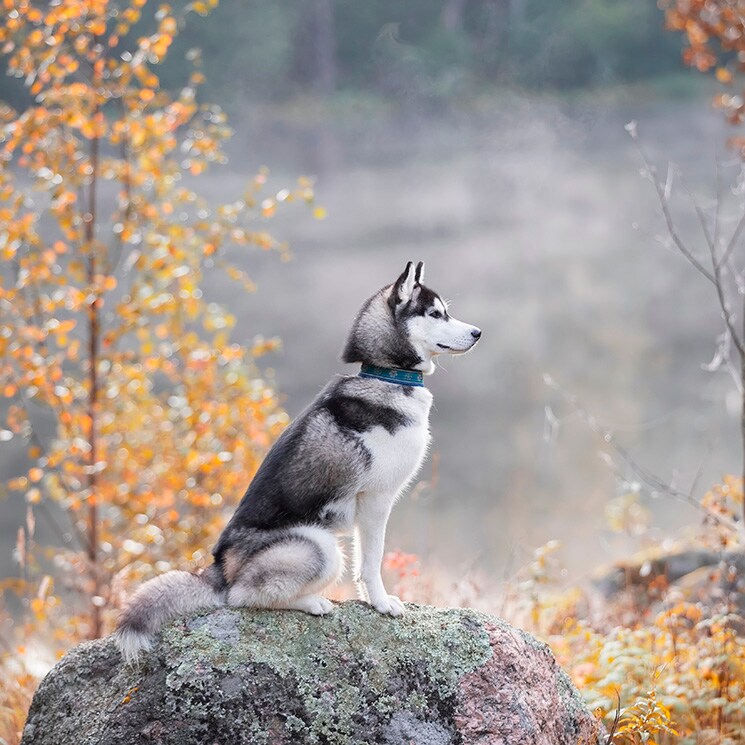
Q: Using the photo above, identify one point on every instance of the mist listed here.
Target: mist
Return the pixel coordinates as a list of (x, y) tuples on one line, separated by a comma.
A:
[(535, 222)]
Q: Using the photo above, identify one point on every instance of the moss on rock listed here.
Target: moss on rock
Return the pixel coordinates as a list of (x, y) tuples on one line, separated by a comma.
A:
[(244, 676)]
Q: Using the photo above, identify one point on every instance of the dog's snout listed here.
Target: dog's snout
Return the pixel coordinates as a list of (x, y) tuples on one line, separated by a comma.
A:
[(476, 333)]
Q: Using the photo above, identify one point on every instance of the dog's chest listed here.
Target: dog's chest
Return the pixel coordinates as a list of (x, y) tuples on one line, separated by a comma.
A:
[(396, 454)]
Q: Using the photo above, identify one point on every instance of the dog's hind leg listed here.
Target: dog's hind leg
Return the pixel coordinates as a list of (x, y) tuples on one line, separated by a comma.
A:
[(289, 573)]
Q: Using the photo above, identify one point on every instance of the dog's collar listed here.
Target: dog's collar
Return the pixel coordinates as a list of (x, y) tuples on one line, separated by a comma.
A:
[(393, 375)]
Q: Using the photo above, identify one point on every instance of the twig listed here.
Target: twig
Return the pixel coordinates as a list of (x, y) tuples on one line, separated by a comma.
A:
[(653, 481), (733, 240), (669, 218), (616, 720)]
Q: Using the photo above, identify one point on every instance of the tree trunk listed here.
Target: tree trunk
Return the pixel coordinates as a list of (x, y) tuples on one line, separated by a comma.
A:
[(516, 10), (452, 15), (324, 47), (742, 415), (93, 334)]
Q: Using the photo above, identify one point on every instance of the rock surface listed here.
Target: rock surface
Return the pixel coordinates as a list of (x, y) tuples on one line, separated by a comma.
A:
[(242, 677)]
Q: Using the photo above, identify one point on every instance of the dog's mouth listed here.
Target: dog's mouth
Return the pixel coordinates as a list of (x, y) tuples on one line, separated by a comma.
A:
[(455, 350)]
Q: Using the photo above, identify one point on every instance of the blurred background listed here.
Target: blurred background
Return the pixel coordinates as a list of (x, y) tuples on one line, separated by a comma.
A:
[(486, 138)]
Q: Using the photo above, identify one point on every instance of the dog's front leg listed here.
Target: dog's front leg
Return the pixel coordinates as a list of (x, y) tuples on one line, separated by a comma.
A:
[(372, 518)]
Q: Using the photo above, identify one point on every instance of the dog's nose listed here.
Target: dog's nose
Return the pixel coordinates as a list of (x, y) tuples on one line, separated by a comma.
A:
[(476, 333)]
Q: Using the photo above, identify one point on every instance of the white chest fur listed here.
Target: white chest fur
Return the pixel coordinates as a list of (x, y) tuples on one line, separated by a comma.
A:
[(395, 457)]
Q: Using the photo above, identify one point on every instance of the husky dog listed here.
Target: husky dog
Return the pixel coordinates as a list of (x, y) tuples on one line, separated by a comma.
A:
[(339, 467)]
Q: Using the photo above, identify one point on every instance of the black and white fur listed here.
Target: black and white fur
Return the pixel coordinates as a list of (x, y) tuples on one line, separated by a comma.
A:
[(339, 467)]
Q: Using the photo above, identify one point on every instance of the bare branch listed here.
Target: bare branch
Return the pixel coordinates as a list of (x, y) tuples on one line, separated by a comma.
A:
[(657, 484), (664, 205), (718, 202), (716, 264), (714, 276), (710, 240), (651, 479), (733, 241)]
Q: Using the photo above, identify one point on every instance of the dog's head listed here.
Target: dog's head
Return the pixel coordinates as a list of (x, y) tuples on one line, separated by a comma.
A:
[(406, 325)]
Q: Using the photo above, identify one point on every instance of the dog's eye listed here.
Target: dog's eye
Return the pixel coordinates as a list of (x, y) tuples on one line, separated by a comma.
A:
[(435, 314)]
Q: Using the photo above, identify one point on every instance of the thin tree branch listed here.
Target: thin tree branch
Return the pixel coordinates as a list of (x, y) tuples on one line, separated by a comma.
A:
[(717, 274), (93, 382), (652, 481), (662, 198), (713, 276), (717, 202), (733, 241)]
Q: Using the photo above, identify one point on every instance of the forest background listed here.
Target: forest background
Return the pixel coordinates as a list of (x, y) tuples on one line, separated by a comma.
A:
[(484, 137)]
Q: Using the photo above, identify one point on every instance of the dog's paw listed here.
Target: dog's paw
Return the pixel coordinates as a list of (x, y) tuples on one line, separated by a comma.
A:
[(313, 604), (390, 605)]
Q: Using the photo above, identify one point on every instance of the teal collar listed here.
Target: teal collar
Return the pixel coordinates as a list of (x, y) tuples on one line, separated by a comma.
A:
[(393, 375)]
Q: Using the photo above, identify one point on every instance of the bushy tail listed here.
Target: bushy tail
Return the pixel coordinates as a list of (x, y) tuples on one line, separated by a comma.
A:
[(157, 602)]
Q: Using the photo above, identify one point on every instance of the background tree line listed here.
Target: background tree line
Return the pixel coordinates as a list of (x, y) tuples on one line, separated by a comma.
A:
[(275, 49)]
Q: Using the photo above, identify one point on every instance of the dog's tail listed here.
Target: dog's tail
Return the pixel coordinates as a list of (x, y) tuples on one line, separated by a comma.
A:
[(158, 601)]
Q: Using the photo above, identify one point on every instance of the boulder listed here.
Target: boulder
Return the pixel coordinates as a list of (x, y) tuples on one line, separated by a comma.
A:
[(240, 677), (713, 579)]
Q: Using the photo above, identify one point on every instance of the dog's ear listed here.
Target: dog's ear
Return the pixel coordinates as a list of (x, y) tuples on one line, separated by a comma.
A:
[(403, 287), (419, 273)]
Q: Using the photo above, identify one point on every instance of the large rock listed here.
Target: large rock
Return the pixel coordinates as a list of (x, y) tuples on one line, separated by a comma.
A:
[(240, 677)]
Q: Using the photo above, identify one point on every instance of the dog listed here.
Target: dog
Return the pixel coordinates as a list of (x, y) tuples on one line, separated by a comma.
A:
[(338, 468)]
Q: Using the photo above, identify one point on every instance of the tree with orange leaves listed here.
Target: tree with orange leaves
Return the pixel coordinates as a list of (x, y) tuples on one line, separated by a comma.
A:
[(715, 40), (159, 420)]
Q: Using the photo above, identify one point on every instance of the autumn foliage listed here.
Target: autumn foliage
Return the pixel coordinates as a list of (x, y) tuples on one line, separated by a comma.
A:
[(714, 32), (658, 661), (153, 419)]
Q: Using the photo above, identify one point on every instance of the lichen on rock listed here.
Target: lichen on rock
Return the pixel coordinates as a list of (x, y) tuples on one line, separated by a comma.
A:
[(240, 677)]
